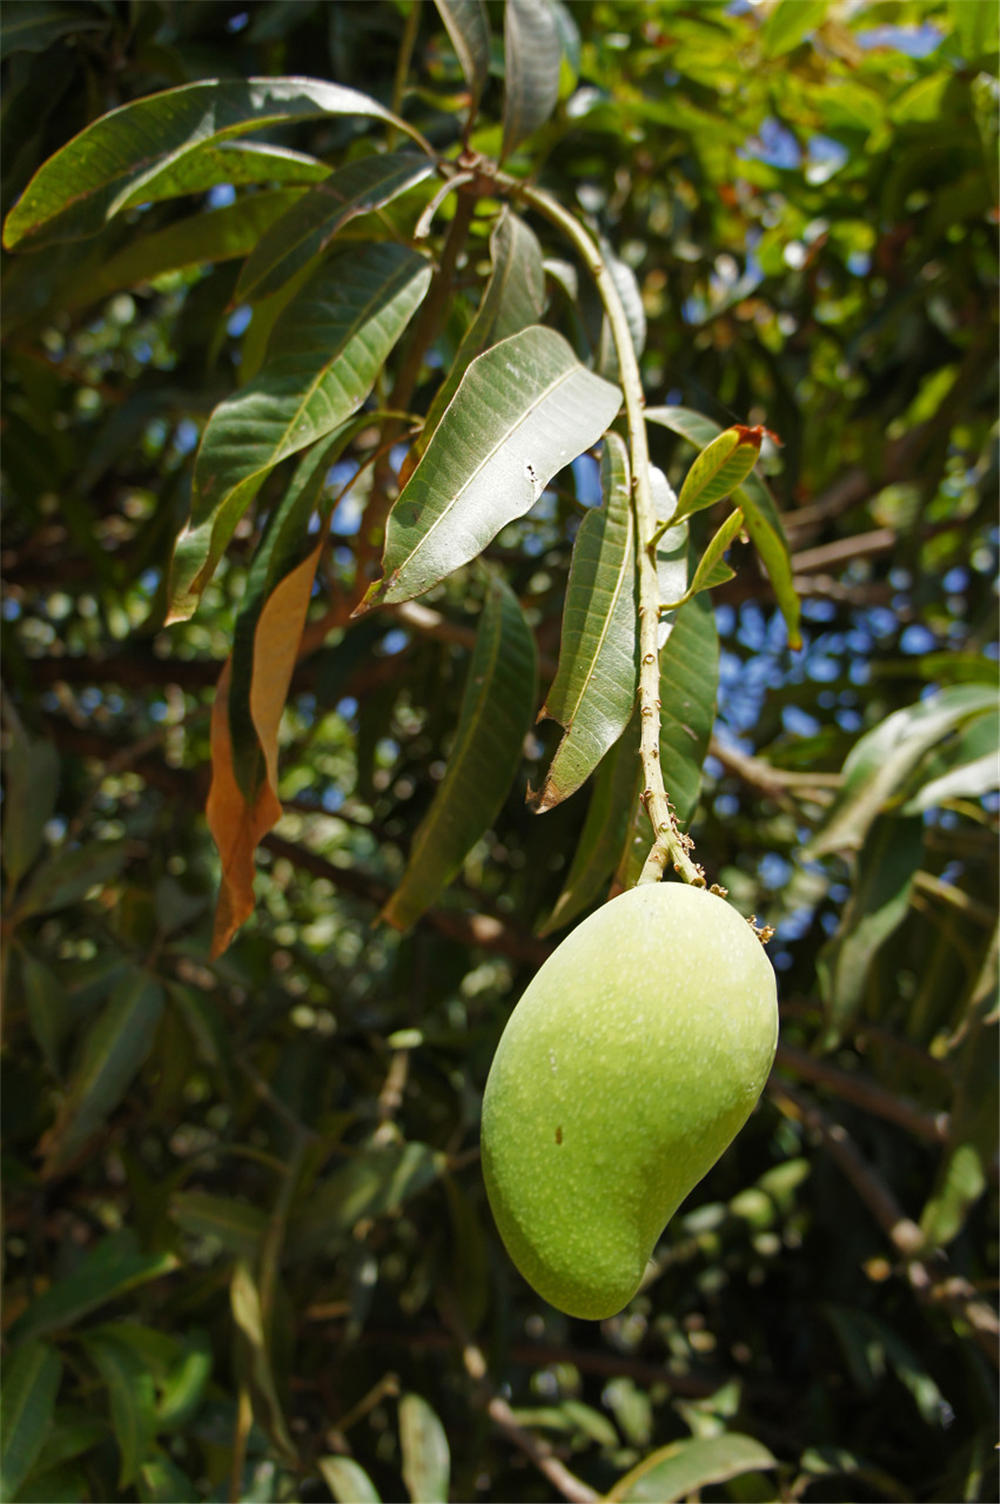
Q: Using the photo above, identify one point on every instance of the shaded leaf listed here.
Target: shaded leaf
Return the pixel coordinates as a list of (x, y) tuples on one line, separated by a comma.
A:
[(532, 54), (513, 299), (312, 222), (468, 27), (672, 1472), (31, 1377), (114, 1047), (881, 760), (256, 1358), (47, 1004), (375, 1182), (594, 689), (161, 1481), (325, 353), (107, 1272), (426, 1458), (614, 800), (237, 1225), (967, 769), (347, 1481), (34, 27), (110, 165), (31, 782), (496, 713), (67, 876), (524, 409), (877, 906), (132, 1396)]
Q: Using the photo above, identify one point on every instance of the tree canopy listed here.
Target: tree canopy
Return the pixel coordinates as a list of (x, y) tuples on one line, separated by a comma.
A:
[(462, 460)]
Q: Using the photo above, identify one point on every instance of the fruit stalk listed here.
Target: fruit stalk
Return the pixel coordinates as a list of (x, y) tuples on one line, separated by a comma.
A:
[(669, 844)]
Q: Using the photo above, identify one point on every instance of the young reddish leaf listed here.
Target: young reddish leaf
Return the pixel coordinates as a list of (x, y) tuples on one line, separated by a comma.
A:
[(238, 822)]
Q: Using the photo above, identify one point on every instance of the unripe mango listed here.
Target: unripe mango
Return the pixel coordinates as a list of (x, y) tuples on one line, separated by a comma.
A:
[(630, 1063)]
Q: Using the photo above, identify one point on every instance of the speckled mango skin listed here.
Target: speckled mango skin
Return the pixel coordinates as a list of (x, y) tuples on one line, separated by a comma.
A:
[(631, 1062)]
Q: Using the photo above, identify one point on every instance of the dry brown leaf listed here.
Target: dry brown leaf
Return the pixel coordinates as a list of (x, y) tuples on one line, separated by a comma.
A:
[(236, 825)]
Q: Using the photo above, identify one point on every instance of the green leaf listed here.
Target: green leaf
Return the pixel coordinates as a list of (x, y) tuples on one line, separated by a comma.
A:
[(199, 239), (31, 1378), (468, 26), (107, 1272), (149, 149), (615, 797), (347, 1481), (965, 770), (495, 716), (33, 27), (31, 774), (132, 1396), (114, 1047), (311, 223), (523, 410), (964, 1173), (877, 906), (162, 1482), (326, 351), (672, 1472), (712, 569), (426, 1458), (532, 55), (255, 1359), (594, 689), (237, 1225), (514, 298), (880, 762), (689, 677), (789, 22), (722, 466), (375, 1182), (66, 876), (48, 1008), (627, 286)]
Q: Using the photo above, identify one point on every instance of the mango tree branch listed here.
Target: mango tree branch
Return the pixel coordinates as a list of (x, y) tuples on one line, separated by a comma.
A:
[(669, 844)]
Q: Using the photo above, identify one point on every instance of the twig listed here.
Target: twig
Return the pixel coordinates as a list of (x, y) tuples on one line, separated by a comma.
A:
[(930, 1126)]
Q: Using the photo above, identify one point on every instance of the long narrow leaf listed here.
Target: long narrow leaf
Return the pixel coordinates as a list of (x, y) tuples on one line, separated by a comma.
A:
[(468, 26), (138, 153), (682, 1468), (496, 714), (255, 1359), (722, 466), (532, 52), (595, 685), (426, 1457), (347, 1481), (132, 1397), (712, 568), (523, 410), (312, 222), (109, 1271), (326, 352), (27, 1403)]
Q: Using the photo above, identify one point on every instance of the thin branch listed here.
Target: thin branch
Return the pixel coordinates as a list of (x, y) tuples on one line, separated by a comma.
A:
[(933, 1127)]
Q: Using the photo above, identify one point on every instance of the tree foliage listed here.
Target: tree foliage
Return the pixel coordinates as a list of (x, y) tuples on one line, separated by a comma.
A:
[(422, 424)]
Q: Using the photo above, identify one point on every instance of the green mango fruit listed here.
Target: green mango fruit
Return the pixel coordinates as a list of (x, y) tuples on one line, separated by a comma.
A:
[(633, 1059)]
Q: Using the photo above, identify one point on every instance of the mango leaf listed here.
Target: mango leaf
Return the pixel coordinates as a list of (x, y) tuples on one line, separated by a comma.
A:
[(114, 1047), (237, 1225), (426, 1458), (312, 222), (254, 1359), (108, 1271), (347, 1481), (877, 906), (132, 1397), (881, 761), (495, 716), (514, 298), (712, 569), (524, 409), (33, 27), (594, 689), (532, 54), (326, 351), (31, 774), (31, 1380), (149, 150), (161, 1481), (66, 876), (674, 1471), (720, 467), (967, 769), (48, 1007), (615, 798), (760, 515), (788, 23), (199, 239), (468, 27), (375, 1182)]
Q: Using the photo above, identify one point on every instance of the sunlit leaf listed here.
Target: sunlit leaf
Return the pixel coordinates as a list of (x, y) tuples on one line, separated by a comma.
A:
[(115, 1045), (31, 1378), (496, 713), (524, 409), (148, 149), (789, 22), (313, 221), (255, 1358), (712, 569), (720, 467), (595, 685), (966, 770), (468, 26), (347, 1481), (426, 1457), (674, 1471), (532, 53)]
